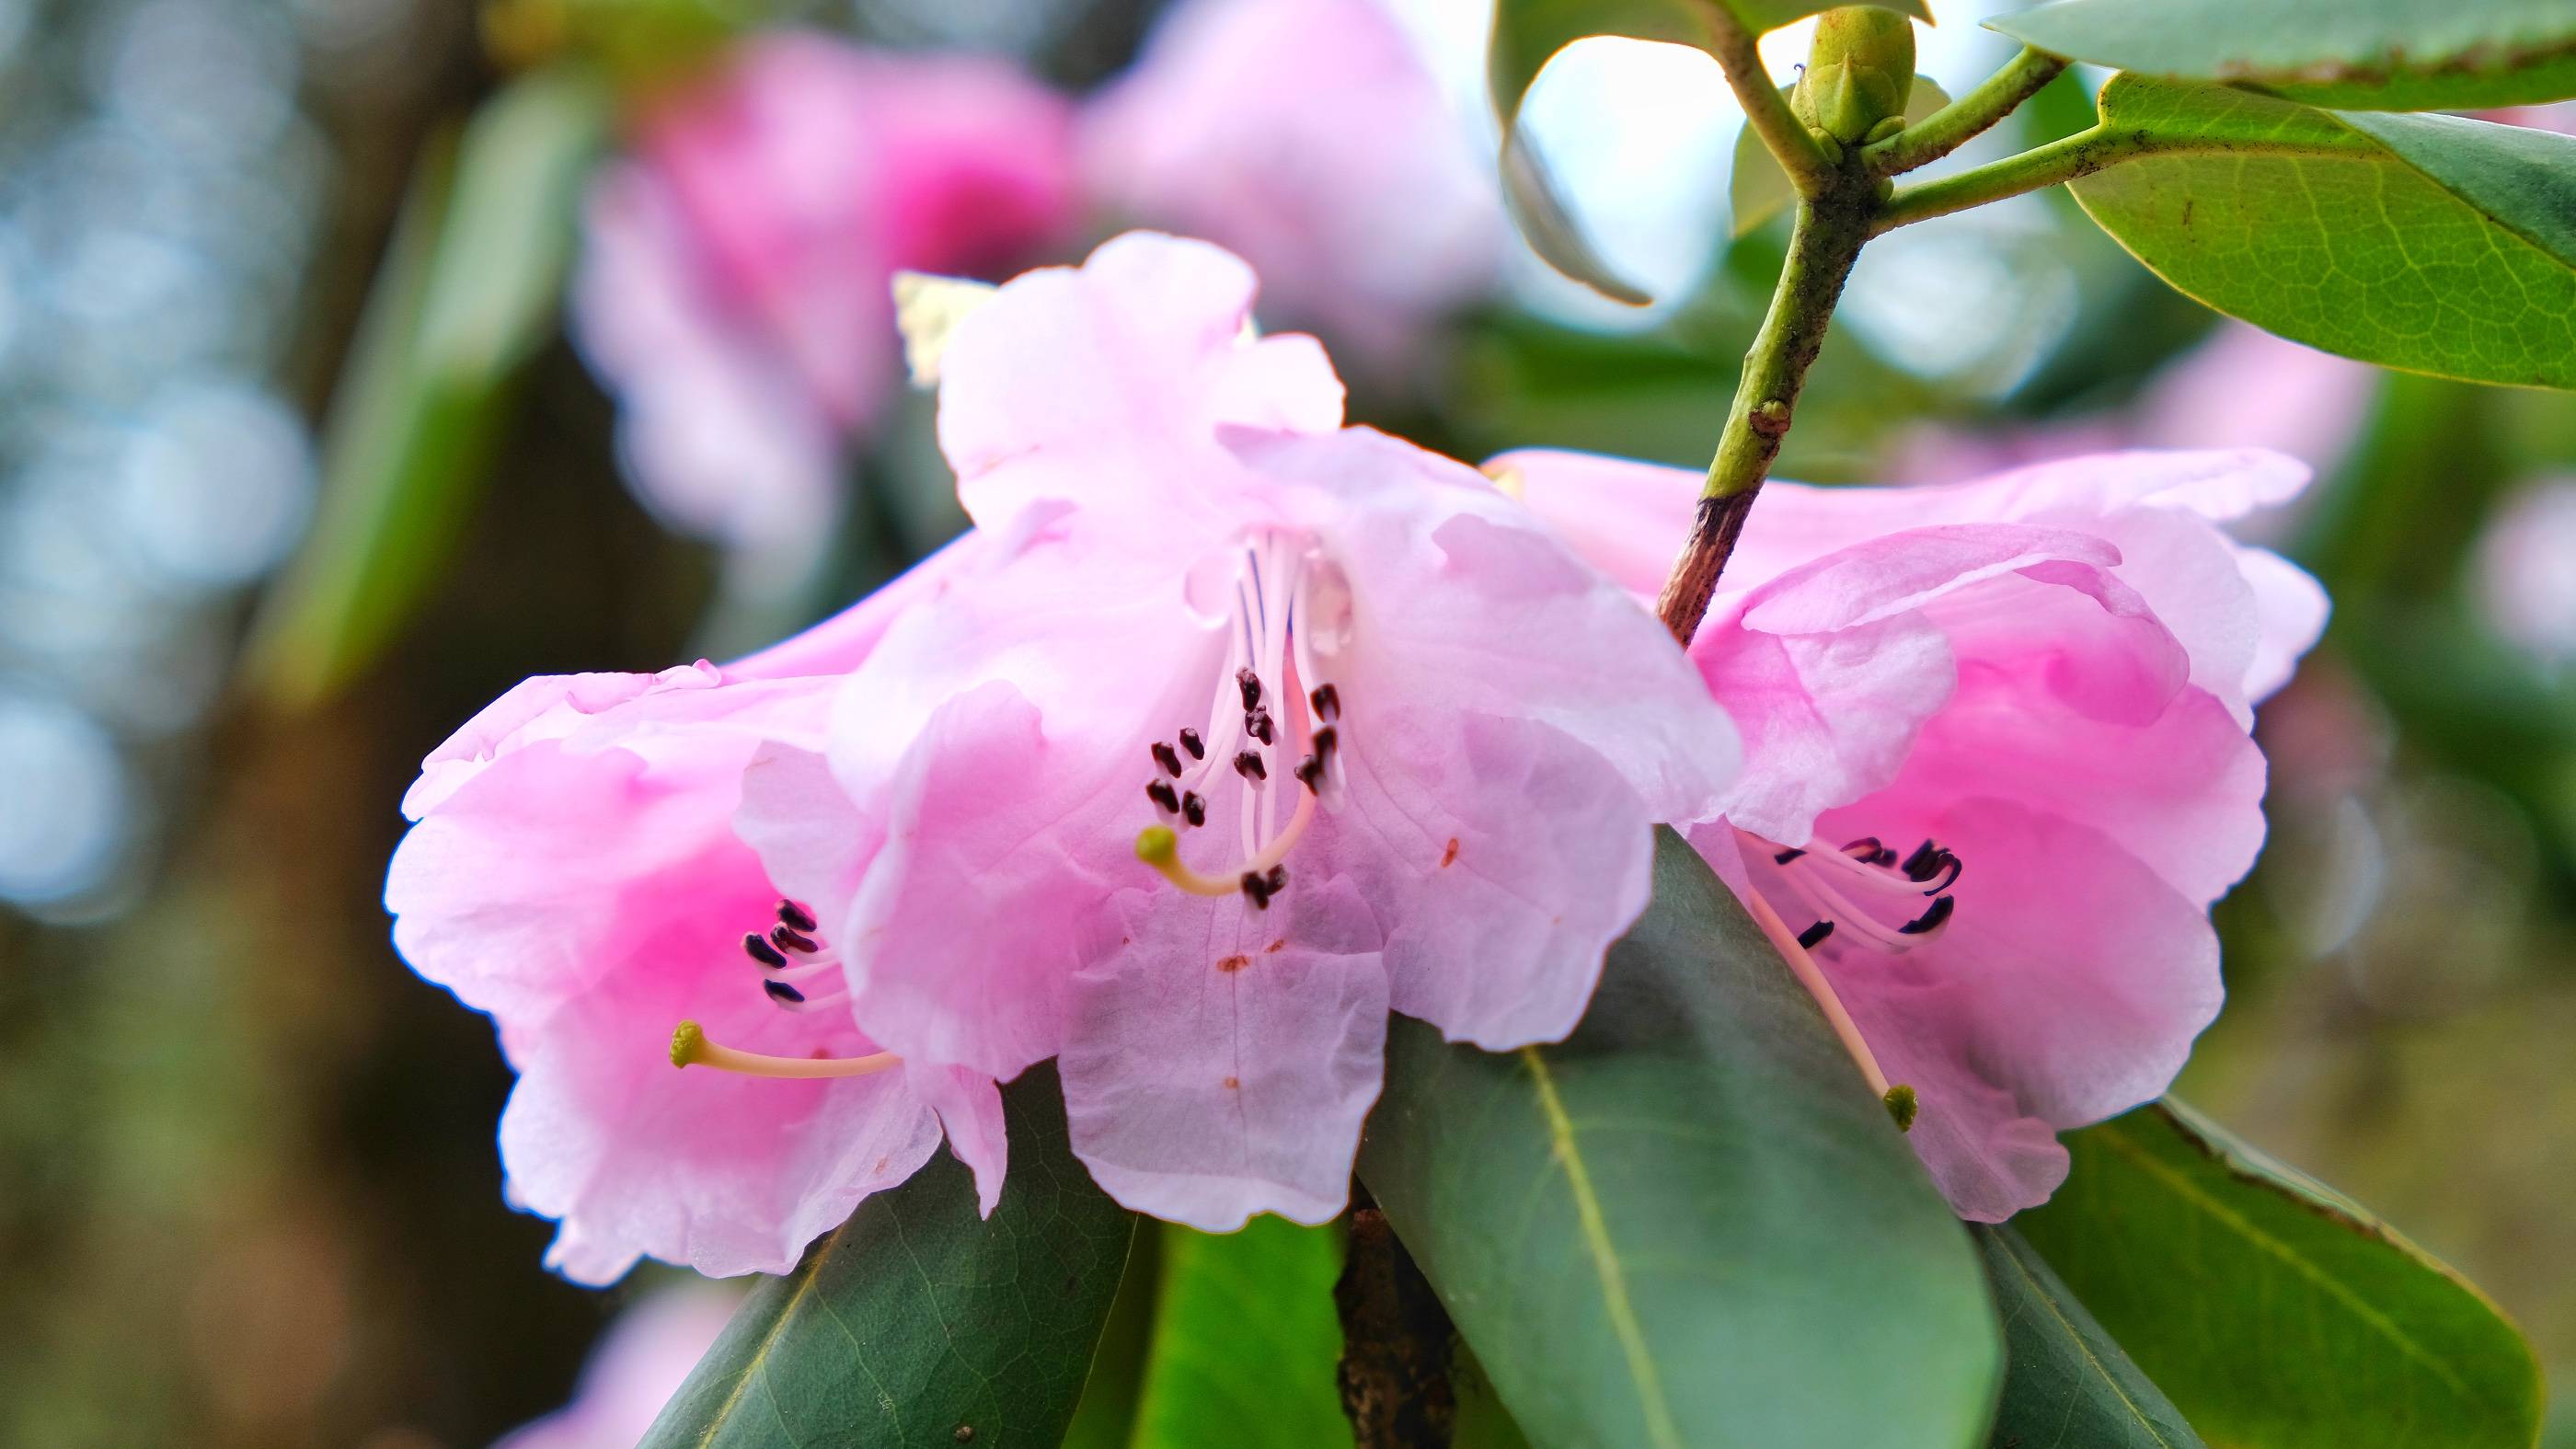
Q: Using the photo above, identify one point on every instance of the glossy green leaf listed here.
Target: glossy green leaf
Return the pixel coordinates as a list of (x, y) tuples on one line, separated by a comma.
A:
[(1105, 1418), (2394, 55), (1758, 190), (1482, 1422), (1529, 33), (1690, 1223), (2432, 244), (2273, 1311), (918, 1324), (2067, 1385), (467, 291), (1246, 1340)]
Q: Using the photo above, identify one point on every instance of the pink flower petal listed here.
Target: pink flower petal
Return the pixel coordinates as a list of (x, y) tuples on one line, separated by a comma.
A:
[(1101, 385), (1495, 932), (996, 851), (2067, 988), (1222, 1058)]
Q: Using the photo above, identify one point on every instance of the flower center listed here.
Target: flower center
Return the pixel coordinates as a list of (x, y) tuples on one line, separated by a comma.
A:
[(791, 956), (1863, 893), (1285, 611)]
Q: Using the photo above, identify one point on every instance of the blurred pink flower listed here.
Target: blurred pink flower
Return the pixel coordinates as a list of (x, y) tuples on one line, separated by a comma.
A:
[(2241, 388), (634, 1369), (2559, 116), (1389, 744), (2047, 679), (1308, 136), (733, 290), (575, 873), (2525, 573)]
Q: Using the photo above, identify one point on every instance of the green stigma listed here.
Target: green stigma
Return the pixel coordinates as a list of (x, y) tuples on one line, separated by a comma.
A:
[(1902, 1106), (688, 1043), (1156, 844)]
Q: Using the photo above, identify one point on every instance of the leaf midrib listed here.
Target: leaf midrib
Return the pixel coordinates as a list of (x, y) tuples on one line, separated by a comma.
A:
[(1660, 1427), (2119, 1140), (757, 1366)]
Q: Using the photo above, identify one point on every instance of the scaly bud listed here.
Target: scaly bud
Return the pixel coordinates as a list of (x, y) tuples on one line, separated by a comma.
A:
[(1860, 73)]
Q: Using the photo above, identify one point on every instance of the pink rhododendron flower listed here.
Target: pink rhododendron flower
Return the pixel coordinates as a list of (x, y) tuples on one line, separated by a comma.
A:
[(733, 288), (638, 1364), (1997, 765), (1308, 136), (2525, 571), (2241, 388), (575, 873), (1246, 728)]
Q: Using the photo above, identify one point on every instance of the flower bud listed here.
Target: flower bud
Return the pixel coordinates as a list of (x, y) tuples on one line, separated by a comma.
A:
[(1860, 72)]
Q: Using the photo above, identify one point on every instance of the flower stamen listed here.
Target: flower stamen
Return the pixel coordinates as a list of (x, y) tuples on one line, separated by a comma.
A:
[(1899, 1099), (1158, 847), (690, 1048), (1269, 695)]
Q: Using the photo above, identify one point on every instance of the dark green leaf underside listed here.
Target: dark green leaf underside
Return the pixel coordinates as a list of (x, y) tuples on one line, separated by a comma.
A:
[(2273, 1312), (2397, 55), (1690, 1223), (916, 1321), (2066, 1384), (2430, 244)]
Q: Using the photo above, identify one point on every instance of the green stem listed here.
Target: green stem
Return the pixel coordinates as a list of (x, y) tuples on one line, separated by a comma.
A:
[(2078, 155), (1823, 245), (1766, 110), (1970, 116), (2059, 161)]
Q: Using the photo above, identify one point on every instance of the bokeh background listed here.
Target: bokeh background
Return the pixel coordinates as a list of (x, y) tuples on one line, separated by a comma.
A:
[(248, 1192)]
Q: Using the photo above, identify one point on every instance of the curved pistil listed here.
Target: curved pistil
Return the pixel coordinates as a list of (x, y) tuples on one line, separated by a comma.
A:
[(690, 1048)]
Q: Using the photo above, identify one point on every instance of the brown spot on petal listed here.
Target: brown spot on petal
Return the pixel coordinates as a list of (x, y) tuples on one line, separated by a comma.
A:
[(1234, 1084), (879, 1169), (1449, 856), (1274, 946), (1232, 964)]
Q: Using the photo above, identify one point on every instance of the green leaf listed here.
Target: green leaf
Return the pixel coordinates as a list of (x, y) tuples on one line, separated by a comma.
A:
[(1246, 1340), (2066, 1384), (1482, 1422), (916, 1323), (1690, 1223), (1105, 1418), (2392, 55), (1758, 190), (2276, 1313), (1529, 33), (2432, 244), (467, 291)]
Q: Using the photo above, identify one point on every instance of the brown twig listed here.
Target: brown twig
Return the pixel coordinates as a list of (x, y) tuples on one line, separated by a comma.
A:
[(1395, 1341)]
